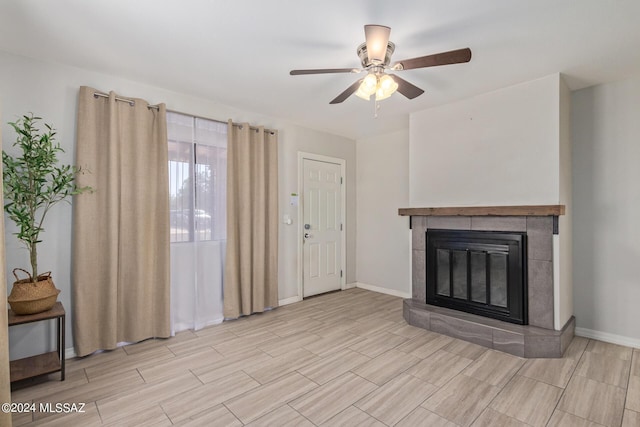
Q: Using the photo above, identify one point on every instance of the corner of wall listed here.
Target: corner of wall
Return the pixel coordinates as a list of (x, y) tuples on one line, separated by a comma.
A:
[(383, 290), (382, 244), (564, 287)]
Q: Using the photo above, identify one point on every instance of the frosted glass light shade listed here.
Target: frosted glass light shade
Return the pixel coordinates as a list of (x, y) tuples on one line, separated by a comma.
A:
[(377, 37), (368, 87), (386, 87)]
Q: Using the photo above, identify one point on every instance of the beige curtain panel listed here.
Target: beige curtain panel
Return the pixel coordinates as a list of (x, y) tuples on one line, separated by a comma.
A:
[(120, 275), (5, 389), (251, 271)]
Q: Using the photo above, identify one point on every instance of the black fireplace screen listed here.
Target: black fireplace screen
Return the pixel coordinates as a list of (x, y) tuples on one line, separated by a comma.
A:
[(480, 272)]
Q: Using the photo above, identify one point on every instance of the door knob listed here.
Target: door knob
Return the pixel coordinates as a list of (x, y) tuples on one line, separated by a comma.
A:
[(307, 235)]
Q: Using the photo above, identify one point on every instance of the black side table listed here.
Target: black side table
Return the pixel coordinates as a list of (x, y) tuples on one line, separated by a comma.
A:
[(45, 363)]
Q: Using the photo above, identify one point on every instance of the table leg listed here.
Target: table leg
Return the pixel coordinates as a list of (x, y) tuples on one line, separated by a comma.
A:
[(61, 334)]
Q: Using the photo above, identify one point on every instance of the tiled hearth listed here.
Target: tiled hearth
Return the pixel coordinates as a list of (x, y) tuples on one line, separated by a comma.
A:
[(538, 338)]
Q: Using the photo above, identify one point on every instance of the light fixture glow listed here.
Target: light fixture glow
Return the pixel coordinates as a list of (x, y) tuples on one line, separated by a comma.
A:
[(386, 87), (377, 37), (382, 86), (368, 87)]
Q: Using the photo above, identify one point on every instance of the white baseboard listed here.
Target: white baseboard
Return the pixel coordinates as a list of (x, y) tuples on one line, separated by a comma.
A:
[(382, 290), (607, 337), (289, 300), (352, 285), (69, 353)]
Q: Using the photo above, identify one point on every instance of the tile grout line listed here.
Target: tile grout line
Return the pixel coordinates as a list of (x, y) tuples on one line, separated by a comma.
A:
[(98, 411), (136, 359), (626, 391), (233, 413), (165, 414), (439, 388), (296, 411), (497, 394), (564, 389)]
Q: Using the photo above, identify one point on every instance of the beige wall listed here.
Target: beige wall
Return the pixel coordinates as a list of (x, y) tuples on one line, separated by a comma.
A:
[(50, 91), (498, 148), (383, 237), (310, 141), (606, 206), (507, 147)]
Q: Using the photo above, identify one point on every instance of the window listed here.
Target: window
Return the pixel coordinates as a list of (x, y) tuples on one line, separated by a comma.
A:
[(198, 202), (197, 178)]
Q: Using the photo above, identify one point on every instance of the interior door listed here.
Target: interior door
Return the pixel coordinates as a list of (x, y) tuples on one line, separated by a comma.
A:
[(322, 227)]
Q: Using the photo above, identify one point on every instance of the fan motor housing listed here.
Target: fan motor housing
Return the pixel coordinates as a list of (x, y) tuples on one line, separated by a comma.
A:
[(364, 56)]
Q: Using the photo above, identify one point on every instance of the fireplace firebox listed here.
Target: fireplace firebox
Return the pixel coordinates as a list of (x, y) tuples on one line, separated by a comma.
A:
[(479, 272)]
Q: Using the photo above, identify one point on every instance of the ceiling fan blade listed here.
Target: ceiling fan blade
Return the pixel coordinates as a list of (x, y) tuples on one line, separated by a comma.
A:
[(444, 58), (407, 89), (324, 71), (377, 38), (347, 93)]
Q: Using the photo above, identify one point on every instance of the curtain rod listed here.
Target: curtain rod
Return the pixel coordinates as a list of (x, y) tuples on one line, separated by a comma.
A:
[(272, 132), (269, 131), (155, 107), (127, 100)]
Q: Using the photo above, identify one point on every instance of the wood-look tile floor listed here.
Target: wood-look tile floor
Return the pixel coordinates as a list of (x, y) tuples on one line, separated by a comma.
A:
[(341, 359)]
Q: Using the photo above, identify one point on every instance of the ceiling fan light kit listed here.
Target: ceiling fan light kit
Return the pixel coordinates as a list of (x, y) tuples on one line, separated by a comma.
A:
[(377, 38), (382, 86), (386, 87), (375, 57)]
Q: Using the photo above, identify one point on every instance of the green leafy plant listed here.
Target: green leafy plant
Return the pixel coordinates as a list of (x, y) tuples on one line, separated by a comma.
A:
[(34, 182)]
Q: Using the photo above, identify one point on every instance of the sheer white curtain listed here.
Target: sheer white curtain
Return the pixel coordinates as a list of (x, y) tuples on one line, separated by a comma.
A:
[(197, 188)]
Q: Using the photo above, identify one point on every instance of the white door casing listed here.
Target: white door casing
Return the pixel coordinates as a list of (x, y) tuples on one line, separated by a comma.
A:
[(322, 225)]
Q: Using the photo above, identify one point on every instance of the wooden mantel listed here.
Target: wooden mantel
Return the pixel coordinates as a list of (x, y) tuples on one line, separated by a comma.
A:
[(536, 210)]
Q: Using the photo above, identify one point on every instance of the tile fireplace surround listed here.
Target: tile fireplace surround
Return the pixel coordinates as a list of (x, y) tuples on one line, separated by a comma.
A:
[(538, 338)]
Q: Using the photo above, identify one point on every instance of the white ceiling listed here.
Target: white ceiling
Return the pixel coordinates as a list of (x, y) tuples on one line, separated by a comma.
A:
[(239, 52)]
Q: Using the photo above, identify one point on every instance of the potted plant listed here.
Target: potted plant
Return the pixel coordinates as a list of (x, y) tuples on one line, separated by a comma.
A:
[(33, 183)]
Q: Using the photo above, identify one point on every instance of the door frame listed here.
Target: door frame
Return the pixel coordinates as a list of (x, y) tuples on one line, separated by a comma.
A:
[(343, 195)]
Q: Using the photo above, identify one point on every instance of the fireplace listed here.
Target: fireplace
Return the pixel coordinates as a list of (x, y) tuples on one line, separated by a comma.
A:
[(540, 324), (479, 272)]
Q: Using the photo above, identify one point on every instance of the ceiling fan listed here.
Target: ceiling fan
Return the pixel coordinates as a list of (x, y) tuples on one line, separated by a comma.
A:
[(375, 57)]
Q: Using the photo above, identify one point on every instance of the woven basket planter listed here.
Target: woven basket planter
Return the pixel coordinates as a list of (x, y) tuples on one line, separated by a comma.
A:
[(27, 297)]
